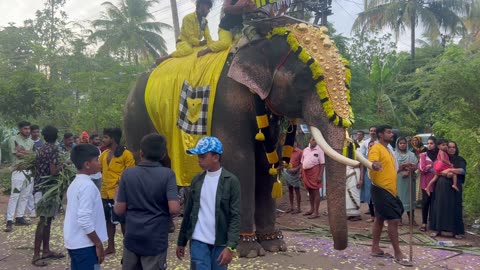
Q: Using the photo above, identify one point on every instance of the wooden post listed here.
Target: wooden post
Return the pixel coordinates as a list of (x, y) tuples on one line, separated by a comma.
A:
[(176, 24)]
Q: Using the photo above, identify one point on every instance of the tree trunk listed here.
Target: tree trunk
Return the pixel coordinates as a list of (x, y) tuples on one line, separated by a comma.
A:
[(176, 24), (412, 36)]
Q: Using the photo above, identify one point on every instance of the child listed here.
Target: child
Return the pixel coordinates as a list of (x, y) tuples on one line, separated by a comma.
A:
[(84, 228), (211, 223), (441, 164)]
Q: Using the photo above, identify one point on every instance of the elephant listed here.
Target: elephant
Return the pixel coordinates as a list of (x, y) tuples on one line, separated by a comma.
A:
[(268, 66)]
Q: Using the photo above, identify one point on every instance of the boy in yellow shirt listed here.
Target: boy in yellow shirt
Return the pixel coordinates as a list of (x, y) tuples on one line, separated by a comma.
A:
[(113, 162)]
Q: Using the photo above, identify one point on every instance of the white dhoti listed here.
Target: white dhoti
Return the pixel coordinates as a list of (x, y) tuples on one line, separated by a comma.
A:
[(352, 192)]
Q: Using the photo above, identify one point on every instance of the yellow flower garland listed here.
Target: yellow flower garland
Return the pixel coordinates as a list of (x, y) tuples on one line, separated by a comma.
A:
[(317, 71)]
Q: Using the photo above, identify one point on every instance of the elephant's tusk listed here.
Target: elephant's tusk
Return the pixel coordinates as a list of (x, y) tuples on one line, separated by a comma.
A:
[(365, 162), (329, 151)]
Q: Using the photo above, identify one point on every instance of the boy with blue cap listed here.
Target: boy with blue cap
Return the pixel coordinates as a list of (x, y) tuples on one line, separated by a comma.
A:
[(211, 222)]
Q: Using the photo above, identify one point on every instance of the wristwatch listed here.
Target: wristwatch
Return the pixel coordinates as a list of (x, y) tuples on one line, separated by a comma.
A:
[(232, 249)]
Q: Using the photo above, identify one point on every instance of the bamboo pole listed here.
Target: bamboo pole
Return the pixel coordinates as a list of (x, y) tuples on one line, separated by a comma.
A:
[(410, 185)]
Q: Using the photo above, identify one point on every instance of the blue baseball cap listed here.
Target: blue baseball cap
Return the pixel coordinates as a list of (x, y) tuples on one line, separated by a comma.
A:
[(205, 145)]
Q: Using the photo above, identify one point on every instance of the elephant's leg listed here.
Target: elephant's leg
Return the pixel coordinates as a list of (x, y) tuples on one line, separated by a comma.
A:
[(237, 158), (235, 125), (265, 207)]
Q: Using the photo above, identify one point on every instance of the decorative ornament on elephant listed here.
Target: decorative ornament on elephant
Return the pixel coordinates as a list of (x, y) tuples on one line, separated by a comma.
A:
[(293, 72)]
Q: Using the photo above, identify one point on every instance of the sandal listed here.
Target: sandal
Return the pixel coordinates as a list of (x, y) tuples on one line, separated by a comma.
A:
[(53, 255), (38, 261), (403, 262), (296, 211), (382, 255), (459, 236), (435, 234), (423, 228), (289, 210), (313, 217)]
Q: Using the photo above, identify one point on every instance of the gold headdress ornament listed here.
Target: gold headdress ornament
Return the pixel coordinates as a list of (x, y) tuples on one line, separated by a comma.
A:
[(313, 47)]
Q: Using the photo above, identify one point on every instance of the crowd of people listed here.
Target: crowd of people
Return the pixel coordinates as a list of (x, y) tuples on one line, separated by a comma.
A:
[(392, 180), (109, 190)]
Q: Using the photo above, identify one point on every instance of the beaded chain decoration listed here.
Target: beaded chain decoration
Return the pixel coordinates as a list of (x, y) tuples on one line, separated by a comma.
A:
[(270, 236), (248, 237), (263, 136)]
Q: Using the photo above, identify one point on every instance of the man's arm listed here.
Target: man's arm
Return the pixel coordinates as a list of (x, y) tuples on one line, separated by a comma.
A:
[(85, 221), (120, 206), (172, 196), (374, 157), (234, 224), (129, 159), (182, 237)]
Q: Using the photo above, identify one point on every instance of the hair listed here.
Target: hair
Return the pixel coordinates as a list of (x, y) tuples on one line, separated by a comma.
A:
[(432, 138), (372, 127), (154, 147), (23, 124), (382, 128), (361, 131), (93, 136), (50, 134), (67, 135), (114, 133), (441, 141), (204, 2), (83, 153), (34, 127)]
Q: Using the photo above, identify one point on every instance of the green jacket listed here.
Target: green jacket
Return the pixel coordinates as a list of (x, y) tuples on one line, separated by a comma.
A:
[(227, 210)]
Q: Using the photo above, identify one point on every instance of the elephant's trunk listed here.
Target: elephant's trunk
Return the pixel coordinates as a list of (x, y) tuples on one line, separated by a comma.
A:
[(337, 215)]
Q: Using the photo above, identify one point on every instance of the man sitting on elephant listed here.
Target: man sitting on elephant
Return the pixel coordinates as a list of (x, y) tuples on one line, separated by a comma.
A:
[(194, 32), (231, 22)]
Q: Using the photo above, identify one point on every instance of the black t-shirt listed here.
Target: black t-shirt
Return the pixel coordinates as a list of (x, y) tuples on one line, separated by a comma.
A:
[(146, 189)]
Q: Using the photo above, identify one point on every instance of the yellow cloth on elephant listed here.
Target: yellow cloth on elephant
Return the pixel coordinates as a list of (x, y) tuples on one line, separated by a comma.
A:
[(179, 97)]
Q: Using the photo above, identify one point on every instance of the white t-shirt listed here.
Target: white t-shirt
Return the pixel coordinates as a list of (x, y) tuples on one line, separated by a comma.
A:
[(205, 227), (84, 214)]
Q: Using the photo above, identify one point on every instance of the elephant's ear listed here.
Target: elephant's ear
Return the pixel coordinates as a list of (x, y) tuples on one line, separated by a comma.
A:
[(250, 67)]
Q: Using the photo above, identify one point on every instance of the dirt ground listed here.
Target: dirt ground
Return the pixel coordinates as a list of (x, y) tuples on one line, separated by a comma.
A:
[(309, 247)]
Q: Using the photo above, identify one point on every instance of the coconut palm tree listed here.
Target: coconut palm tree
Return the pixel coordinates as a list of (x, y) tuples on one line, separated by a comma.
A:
[(129, 29), (432, 15)]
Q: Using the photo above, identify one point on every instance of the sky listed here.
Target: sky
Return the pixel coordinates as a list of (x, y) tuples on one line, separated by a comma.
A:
[(84, 11)]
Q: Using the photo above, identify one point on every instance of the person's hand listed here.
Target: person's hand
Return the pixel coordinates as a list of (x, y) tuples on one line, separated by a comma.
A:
[(202, 52), (180, 252), (225, 257), (376, 166), (360, 184), (202, 43), (100, 252)]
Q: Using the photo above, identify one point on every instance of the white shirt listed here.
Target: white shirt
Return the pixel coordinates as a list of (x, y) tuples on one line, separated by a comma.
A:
[(205, 227), (364, 147), (84, 214)]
